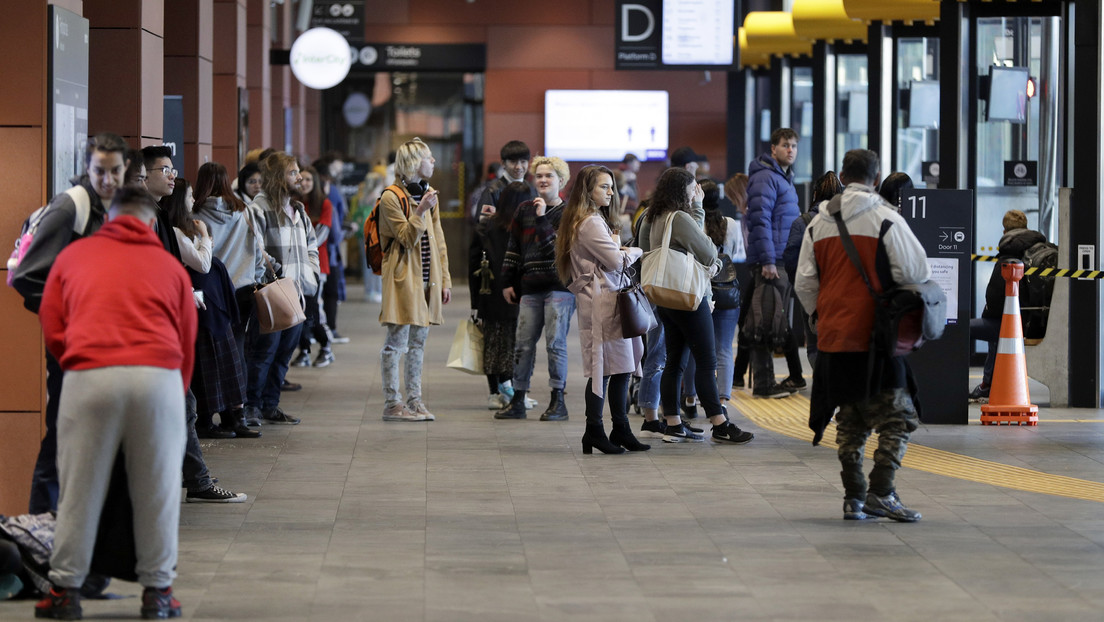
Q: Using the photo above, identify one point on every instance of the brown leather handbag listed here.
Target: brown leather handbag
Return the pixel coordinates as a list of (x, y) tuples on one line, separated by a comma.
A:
[(279, 304)]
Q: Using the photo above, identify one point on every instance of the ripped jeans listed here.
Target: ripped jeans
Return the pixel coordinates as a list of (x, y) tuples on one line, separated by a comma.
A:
[(408, 340), (551, 310)]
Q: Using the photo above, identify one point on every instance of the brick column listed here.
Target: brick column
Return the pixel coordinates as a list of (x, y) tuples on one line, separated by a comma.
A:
[(189, 53), (228, 67), (258, 77)]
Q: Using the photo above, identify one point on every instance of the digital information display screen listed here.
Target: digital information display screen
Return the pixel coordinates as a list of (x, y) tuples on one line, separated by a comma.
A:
[(602, 126), (698, 32)]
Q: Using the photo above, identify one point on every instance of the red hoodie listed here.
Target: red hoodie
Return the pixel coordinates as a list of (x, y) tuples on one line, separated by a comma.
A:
[(117, 298)]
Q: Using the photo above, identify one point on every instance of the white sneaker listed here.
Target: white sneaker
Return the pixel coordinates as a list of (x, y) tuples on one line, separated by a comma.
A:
[(497, 401), (530, 403), (399, 412), (420, 410)]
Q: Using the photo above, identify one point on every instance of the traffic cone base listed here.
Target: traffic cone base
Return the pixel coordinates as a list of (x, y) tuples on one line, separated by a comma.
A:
[(1009, 399)]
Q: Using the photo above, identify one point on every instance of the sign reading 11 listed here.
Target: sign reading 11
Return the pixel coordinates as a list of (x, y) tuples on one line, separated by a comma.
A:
[(923, 201)]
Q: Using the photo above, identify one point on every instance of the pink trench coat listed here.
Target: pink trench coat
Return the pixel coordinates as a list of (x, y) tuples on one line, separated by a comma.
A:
[(597, 267)]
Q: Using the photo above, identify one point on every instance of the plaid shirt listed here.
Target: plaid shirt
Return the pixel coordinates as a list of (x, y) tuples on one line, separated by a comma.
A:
[(289, 243), (530, 263)]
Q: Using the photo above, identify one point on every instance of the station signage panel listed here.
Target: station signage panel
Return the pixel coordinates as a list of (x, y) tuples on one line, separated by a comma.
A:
[(675, 34)]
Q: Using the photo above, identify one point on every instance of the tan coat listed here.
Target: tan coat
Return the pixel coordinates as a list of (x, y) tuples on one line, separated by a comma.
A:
[(405, 299)]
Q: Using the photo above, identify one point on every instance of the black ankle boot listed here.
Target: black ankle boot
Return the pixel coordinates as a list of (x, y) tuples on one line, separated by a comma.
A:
[(622, 435), (515, 409), (595, 438), (557, 410)]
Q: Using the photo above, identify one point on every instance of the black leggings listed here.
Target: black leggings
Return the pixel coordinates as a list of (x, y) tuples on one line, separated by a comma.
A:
[(617, 390), (689, 332), (312, 326)]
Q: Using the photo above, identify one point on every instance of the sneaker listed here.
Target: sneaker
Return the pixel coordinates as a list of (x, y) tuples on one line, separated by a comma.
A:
[(980, 394), (339, 338), (325, 357), (399, 412), (793, 384), (241, 431), (681, 434), (689, 407), (775, 391), (290, 386), (890, 506), (252, 416), (215, 494), (530, 403), (303, 360), (61, 603), (738, 383), (277, 415), (497, 401), (507, 389), (375, 297), (727, 432), (655, 428), (853, 510), (418, 407), (158, 603)]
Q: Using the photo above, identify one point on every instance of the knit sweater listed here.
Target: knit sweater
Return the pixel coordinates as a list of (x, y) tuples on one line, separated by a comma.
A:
[(530, 263)]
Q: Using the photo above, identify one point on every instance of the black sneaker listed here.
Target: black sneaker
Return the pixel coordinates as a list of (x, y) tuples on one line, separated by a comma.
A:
[(727, 432), (738, 383), (61, 603), (303, 360), (793, 384), (158, 603), (689, 408), (325, 358), (654, 428), (291, 386), (215, 494), (276, 415), (890, 506), (214, 431), (775, 391), (853, 510), (681, 434), (980, 394)]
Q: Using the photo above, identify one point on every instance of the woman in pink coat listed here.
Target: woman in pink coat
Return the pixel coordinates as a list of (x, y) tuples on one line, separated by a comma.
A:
[(591, 260)]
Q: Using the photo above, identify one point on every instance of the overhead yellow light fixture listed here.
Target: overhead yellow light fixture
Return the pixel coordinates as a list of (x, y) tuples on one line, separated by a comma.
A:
[(896, 11), (772, 33), (751, 58), (826, 20)]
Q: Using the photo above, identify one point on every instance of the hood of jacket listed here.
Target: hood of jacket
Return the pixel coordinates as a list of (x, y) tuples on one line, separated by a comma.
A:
[(129, 230), (855, 200), (1015, 242), (216, 209)]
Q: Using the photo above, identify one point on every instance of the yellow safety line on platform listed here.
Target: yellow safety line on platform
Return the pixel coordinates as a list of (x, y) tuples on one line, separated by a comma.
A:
[(790, 416)]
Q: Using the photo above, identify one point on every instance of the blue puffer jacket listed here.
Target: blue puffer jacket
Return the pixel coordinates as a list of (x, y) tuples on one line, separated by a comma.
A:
[(772, 208)]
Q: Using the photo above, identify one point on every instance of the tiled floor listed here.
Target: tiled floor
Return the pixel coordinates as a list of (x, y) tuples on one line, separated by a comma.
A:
[(467, 518)]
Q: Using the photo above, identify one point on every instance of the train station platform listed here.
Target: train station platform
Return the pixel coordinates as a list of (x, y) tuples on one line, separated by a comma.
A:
[(468, 518)]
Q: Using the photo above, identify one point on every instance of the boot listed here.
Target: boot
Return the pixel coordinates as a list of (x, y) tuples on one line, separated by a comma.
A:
[(515, 409), (595, 436), (557, 410), (234, 420), (622, 435)]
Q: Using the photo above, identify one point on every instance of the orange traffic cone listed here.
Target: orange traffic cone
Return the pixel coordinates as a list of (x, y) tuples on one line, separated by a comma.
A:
[(1009, 400)]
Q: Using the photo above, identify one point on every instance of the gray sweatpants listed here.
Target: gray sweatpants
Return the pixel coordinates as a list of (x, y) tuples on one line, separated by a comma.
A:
[(139, 410)]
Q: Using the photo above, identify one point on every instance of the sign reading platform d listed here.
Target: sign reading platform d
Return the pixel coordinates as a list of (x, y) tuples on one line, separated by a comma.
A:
[(320, 58)]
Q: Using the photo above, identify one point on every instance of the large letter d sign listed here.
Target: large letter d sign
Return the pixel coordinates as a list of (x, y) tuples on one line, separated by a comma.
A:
[(625, 10)]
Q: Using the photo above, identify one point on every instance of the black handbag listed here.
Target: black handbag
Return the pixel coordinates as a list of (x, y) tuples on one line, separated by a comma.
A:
[(634, 309)]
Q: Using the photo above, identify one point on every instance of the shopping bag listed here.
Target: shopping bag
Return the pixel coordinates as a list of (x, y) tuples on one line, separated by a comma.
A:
[(466, 353)]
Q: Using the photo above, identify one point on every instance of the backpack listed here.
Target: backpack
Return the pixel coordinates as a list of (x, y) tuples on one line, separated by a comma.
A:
[(1037, 290), (726, 285), (30, 226), (373, 248), (34, 535), (767, 323)]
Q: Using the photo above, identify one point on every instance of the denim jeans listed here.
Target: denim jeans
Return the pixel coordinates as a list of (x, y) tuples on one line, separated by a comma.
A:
[(987, 330), (655, 359), (552, 309), (44, 481), (689, 333), (267, 364), (409, 340), (196, 476)]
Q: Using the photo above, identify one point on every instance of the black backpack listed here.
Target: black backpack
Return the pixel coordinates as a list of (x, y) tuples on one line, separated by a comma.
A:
[(1037, 290)]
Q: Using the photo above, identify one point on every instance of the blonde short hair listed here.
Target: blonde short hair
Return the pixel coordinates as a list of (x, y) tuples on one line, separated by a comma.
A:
[(1014, 219), (408, 156), (557, 164)]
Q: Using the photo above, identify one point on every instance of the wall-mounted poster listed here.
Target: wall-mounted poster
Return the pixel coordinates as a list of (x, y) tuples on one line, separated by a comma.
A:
[(68, 98)]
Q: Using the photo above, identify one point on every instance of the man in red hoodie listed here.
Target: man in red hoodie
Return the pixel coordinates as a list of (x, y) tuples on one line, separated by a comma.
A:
[(118, 314)]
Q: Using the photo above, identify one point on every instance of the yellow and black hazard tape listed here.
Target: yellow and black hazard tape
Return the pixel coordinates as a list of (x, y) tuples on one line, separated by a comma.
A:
[(1058, 272)]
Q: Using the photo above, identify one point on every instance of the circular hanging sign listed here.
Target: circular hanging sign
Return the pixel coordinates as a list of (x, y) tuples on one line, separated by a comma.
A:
[(357, 108), (320, 58)]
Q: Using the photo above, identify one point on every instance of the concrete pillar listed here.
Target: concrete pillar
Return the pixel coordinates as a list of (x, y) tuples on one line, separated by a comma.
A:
[(258, 76), (228, 70), (126, 69), (189, 67), (282, 80)]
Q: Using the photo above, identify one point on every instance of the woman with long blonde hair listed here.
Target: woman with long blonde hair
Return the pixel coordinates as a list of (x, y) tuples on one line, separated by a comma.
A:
[(592, 262)]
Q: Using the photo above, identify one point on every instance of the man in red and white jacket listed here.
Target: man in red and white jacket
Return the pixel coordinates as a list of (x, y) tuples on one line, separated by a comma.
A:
[(831, 289), (118, 314)]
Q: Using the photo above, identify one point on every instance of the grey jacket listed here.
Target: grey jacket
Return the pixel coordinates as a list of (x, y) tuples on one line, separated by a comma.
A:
[(233, 241)]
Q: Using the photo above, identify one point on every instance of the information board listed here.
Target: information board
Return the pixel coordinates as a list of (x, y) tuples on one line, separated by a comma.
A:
[(943, 222), (675, 34), (68, 79)]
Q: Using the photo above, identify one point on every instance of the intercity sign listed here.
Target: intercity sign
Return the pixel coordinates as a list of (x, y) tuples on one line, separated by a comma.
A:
[(320, 58)]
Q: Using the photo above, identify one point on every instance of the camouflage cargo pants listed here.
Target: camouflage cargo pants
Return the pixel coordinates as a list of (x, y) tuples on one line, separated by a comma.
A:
[(891, 414)]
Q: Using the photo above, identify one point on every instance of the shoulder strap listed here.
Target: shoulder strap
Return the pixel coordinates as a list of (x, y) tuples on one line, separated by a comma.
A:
[(849, 245), (80, 197), (668, 224)]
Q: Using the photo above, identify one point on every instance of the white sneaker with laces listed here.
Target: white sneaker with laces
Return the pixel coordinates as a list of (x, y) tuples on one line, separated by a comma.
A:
[(497, 401)]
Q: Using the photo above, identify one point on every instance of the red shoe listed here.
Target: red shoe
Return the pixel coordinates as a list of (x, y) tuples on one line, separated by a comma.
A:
[(62, 603), (158, 603)]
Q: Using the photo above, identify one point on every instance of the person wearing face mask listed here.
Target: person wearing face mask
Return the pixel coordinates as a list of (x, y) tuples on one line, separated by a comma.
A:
[(105, 165), (515, 163), (530, 281), (591, 260), (415, 275)]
